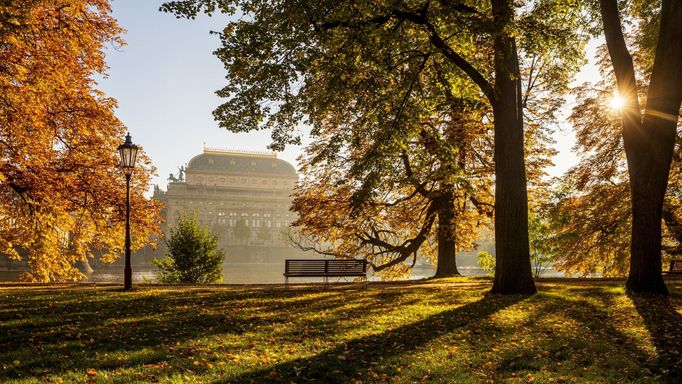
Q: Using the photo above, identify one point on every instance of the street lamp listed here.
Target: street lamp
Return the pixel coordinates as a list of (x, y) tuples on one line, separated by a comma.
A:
[(128, 152)]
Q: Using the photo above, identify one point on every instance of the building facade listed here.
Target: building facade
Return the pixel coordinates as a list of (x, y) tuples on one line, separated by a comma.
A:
[(243, 197)]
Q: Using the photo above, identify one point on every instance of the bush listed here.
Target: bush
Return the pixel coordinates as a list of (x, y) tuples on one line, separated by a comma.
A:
[(487, 262), (194, 257)]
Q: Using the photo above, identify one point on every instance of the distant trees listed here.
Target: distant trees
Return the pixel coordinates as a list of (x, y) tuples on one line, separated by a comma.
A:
[(486, 261), (543, 251), (193, 255), (61, 194), (363, 66)]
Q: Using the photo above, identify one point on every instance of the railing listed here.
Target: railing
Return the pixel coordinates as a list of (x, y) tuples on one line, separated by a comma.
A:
[(240, 151)]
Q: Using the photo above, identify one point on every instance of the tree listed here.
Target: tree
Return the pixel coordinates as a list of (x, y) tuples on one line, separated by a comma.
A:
[(429, 192), (591, 211), (428, 185), (293, 59), (62, 195), (542, 250), (598, 234), (487, 262), (194, 256), (648, 138), (592, 230)]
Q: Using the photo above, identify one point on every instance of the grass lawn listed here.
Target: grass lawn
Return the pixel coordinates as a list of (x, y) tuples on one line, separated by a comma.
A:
[(446, 331)]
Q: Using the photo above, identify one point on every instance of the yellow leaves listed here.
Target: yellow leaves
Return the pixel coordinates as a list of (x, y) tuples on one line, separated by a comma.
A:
[(60, 192)]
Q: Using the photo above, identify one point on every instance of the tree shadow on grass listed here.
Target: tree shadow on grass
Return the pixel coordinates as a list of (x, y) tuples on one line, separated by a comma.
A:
[(45, 332), (60, 331), (665, 327), (594, 345), (342, 363)]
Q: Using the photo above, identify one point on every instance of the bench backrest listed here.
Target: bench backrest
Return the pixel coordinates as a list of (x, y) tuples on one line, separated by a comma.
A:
[(335, 267), (676, 266)]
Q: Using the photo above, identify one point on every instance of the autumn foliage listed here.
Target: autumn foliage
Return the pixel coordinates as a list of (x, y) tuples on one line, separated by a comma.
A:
[(61, 194)]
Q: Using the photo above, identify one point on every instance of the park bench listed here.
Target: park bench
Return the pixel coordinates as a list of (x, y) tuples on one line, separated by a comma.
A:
[(324, 268)]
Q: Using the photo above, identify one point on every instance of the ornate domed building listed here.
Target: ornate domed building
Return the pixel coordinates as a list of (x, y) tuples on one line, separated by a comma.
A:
[(244, 198)]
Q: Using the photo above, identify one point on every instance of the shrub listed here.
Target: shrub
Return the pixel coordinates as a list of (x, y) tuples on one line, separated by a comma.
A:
[(194, 257), (487, 262)]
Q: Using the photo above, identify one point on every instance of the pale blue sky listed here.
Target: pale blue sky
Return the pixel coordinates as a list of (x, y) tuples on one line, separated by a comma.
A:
[(164, 80)]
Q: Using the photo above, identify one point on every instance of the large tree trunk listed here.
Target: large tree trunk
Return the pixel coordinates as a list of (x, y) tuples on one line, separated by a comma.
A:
[(512, 269), (650, 172), (649, 142), (447, 262)]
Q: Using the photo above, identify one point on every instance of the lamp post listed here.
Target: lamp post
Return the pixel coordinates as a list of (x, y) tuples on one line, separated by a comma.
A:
[(128, 152)]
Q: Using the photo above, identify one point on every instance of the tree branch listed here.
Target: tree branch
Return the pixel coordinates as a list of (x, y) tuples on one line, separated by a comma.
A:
[(620, 57), (476, 76)]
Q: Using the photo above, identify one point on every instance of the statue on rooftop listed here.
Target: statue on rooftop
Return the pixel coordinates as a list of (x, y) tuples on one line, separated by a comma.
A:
[(181, 173)]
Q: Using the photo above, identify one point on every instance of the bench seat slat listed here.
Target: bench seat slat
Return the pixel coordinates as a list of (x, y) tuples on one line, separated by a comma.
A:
[(325, 268)]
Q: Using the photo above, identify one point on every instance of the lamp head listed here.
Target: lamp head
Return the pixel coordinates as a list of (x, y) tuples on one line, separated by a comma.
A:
[(128, 153)]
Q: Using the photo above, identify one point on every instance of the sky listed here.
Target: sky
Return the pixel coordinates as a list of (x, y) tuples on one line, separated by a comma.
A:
[(165, 80)]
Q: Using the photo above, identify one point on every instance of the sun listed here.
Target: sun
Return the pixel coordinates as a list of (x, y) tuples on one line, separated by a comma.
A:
[(617, 102)]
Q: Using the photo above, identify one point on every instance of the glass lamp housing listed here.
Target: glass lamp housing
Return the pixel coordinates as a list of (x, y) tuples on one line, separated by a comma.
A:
[(128, 153)]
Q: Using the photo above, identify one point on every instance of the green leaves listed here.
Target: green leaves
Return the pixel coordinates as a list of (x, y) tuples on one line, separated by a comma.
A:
[(194, 255)]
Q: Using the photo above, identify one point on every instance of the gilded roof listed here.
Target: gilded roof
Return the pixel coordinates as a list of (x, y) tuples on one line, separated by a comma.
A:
[(238, 162)]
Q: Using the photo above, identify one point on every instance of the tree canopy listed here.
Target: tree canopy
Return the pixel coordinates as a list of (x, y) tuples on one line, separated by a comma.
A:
[(364, 67), (61, 193)]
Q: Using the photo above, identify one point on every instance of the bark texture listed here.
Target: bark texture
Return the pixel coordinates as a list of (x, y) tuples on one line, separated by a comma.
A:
[(648, 140), (447, 262), (512, 269)]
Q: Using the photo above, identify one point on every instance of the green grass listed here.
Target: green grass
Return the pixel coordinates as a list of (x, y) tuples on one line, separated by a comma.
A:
[(447, 331)]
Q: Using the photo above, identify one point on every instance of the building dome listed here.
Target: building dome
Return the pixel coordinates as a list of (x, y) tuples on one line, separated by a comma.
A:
[(229, 162)]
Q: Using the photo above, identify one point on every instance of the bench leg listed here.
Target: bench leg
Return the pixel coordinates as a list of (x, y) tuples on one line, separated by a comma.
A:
[(286, 283)]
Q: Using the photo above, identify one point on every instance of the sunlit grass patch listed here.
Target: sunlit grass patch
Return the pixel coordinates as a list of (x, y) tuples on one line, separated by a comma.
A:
[(448, 331)]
